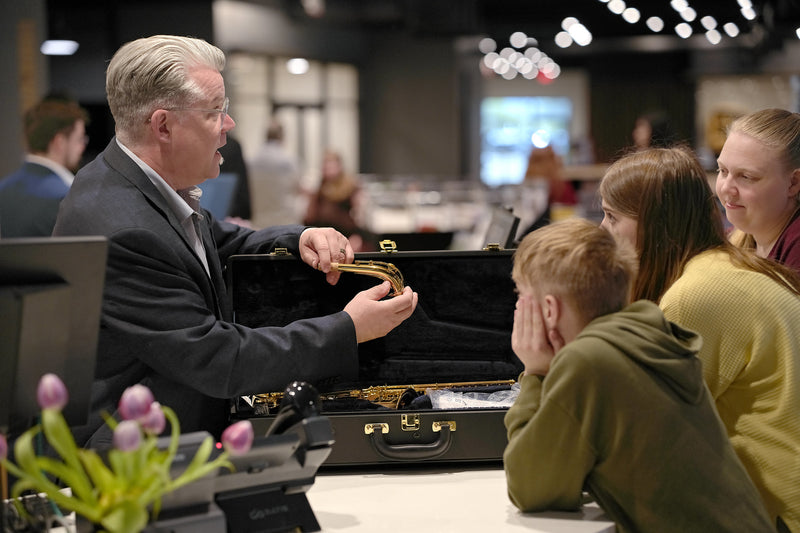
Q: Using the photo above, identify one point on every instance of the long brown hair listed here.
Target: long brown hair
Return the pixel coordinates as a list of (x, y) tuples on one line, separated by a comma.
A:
[(667, 192)]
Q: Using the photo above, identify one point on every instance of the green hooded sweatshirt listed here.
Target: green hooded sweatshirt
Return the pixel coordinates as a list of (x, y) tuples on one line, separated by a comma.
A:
[(624, 414)]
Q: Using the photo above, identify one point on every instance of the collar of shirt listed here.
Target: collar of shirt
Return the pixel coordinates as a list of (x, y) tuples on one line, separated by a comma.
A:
[(60, 170), (183, 203)]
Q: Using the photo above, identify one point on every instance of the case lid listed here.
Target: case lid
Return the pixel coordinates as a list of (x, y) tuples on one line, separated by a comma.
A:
[(460, 330)]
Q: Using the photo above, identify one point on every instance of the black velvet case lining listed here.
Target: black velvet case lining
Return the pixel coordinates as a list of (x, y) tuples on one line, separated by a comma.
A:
[(460, 331)]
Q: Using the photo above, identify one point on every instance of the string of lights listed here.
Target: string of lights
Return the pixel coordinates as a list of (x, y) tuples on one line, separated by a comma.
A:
[(524, 58)]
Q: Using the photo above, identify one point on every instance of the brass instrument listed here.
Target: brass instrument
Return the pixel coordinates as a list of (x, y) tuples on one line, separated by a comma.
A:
[(385, 395), (377, 269)]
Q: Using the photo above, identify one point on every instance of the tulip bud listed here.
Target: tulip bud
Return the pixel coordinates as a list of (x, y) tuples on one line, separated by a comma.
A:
[(238, 438), (127, 436), (3, 447), (154, 421), (51, 392), (135, 402)]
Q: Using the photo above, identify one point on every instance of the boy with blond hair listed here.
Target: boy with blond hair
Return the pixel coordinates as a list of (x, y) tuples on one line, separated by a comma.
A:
[(612, 397)]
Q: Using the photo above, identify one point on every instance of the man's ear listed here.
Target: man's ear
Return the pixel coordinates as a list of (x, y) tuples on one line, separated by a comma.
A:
[(160, 125), (551, 311)]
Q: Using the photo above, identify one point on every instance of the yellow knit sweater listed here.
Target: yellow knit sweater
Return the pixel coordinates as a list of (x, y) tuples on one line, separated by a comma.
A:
[(751, 362)]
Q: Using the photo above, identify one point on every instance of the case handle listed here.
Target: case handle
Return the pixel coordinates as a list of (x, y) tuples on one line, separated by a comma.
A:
[(410, 452)]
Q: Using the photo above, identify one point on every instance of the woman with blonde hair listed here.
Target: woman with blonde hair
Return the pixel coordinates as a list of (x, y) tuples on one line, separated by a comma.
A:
[(745, 308), (758, 183)]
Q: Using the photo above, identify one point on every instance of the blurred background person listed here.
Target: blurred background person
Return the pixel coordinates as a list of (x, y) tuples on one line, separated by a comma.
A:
[(336, 201), (653, 130), (275, 194), (55, 137), (545, 166), (758, 183), (233, 162)]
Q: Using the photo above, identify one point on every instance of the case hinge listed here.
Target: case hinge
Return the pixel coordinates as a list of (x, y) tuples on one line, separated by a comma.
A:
[(369, 429), (437, 426)]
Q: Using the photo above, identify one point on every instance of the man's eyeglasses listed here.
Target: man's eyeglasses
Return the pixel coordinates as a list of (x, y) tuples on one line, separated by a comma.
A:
[(222, 112)]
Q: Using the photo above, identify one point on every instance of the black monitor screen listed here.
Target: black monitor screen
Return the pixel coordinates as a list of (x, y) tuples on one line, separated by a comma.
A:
[(51, 290)]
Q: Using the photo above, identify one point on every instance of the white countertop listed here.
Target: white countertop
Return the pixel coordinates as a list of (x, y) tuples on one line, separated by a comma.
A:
[(421, 501)]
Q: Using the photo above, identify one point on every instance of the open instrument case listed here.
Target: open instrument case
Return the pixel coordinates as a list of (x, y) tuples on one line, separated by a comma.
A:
[(458, 338)]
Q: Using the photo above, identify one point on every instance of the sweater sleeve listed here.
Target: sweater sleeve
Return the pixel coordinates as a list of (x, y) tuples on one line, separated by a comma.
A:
[(547, 459)]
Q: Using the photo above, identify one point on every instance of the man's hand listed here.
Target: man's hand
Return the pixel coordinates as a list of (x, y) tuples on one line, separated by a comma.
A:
[(319, 247), (374, 317), (531, 341)]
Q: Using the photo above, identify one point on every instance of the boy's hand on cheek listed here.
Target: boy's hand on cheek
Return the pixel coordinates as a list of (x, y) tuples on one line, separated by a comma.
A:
[(530, 340)]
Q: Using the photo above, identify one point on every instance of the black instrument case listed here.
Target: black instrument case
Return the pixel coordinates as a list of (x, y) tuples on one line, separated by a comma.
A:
[(458, 338)]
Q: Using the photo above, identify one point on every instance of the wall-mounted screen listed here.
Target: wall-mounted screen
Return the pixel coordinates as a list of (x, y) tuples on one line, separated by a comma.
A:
[(511, 126)]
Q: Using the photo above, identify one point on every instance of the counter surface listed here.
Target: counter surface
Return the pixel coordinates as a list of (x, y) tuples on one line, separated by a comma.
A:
[(421, 501)]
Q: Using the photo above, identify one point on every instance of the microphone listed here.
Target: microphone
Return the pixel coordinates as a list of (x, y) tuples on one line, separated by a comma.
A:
[(300, 400)]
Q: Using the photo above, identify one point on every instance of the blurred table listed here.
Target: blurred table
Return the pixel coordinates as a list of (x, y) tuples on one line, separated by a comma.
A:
[(422, 501)]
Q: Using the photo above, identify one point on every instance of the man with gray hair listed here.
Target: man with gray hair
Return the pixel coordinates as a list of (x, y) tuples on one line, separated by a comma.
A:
[(167, 321)]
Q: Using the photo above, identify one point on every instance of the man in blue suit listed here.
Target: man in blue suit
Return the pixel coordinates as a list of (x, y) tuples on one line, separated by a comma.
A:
[(55, 133), (167, 320)]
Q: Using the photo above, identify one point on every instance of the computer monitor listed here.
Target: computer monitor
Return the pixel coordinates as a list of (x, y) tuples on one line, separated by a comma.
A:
[(502, 228), (218, 194), (51, 290)]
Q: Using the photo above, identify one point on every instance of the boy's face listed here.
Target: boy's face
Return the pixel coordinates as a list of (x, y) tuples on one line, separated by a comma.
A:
[(622, 227)]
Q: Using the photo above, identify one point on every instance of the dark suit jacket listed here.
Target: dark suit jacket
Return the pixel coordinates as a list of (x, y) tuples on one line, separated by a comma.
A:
[(29, 200), (166, 325)]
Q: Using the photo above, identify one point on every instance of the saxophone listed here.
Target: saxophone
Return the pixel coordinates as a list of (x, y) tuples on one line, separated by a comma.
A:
[(386, 395), (377, 269)]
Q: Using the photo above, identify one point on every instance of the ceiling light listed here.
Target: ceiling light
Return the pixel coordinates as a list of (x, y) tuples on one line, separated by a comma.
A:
[(745, 3), (631, 15), (708, 22), (580, 34), (55, 47), (683, 30), (748, 13), (616, 6), (688, 14), (563, 39), (487, 45), (797, 32), (518, 39), (713, 36), (655, 24), (679, 5), (731, 29), (568, 22), (297, 65)]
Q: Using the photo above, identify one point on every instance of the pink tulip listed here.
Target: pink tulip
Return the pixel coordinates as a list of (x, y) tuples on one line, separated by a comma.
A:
[(127, 436), (3, 447), (135, 402), (238, 438), (154, 421), (51, 392)]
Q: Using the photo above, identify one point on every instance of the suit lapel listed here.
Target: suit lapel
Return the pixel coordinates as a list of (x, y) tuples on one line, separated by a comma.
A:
[(215, 270)]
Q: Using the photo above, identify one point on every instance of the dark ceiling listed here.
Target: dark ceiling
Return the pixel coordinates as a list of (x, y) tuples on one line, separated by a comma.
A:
[(775, 19)]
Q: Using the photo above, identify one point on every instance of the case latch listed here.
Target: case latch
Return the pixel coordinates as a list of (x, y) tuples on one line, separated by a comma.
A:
[(388, 246), (492, 247), (280, 251), (409, 422)]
